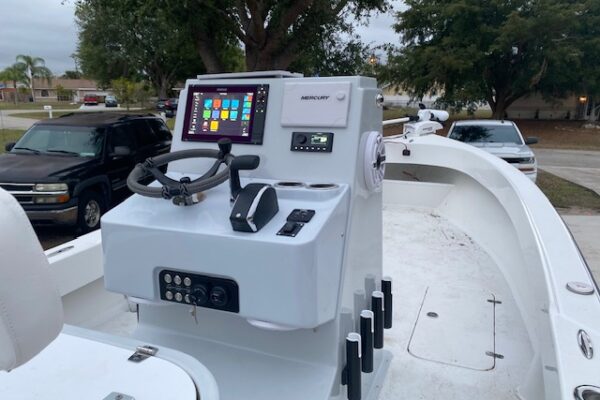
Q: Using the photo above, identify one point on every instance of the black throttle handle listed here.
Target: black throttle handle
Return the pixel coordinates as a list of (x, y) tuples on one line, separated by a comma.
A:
[(246, 162)]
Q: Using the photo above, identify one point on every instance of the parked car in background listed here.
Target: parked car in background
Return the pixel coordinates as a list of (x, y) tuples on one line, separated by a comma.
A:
[(110, 101), (168, 106), (90, 100), (500, 138), (67, 170), (160, 104), (171, 104)]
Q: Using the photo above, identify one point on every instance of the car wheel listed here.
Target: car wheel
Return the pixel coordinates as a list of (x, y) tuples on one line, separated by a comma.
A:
[(91, 208)]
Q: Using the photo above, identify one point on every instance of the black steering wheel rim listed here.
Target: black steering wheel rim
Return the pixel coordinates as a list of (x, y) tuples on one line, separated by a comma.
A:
[(185, 186)]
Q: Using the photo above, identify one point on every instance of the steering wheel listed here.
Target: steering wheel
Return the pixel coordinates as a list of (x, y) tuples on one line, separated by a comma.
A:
[(182, 191)]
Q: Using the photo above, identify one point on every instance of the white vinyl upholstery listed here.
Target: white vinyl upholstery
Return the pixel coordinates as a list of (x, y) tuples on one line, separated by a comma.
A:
[(31, 314)]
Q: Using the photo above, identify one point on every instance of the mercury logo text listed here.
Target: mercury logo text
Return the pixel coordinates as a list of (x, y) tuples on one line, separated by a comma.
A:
[(314, 97)]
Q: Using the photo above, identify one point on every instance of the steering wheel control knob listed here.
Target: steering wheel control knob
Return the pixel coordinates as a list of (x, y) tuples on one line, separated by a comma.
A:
[(203, 291)]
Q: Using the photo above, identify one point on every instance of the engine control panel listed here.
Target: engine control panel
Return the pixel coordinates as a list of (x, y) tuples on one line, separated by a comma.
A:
[(199, 290)]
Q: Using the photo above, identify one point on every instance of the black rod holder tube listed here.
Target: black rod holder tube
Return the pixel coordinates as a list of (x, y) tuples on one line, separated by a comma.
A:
[(377, 308), (370, 287), (386, 288), (366, 335), (353, 365)]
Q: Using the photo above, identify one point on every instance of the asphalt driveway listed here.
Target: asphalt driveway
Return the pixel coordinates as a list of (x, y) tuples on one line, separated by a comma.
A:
[(580, 167)]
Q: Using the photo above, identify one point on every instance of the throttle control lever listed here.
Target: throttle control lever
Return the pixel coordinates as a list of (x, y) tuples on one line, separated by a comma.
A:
[(247, 162)]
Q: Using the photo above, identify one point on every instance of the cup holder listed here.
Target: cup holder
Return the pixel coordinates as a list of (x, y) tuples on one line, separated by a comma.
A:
[(322, 186), (290, 185), (587, 393)]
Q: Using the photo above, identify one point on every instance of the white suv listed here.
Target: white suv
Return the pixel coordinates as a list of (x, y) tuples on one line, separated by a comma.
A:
[(500, 138)]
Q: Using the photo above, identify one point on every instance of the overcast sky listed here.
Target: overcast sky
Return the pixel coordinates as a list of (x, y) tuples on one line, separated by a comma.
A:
[(46, 28)]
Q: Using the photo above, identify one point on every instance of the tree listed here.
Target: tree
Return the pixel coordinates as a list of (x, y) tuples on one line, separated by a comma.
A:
[(14, 74), (71, 75), (145, 41), (34, 67), (334, 55), (471, 50), (587, 72), (274, 34), (125, 91)]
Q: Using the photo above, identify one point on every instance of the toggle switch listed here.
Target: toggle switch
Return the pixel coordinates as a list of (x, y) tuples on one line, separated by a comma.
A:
[(290, 228)]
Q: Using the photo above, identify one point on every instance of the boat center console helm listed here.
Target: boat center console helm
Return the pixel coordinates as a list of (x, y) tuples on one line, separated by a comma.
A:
[(273, 282)]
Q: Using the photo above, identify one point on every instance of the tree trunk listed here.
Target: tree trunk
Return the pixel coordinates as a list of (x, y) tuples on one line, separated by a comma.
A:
[(16, 92), (32, 89), (593, 111), (500, 103), (163, 87), (209, 56)]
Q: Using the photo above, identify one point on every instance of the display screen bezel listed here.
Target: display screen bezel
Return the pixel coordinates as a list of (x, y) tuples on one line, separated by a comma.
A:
[(192, 89)]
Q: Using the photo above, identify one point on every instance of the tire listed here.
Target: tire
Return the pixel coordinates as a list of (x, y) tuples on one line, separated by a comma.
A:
[(91, 207)]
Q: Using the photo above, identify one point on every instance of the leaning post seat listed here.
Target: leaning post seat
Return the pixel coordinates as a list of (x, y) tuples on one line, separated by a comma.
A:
[(31, 314), (32, 333)]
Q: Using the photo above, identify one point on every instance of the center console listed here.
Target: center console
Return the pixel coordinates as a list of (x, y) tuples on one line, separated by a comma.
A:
[(291, 250)]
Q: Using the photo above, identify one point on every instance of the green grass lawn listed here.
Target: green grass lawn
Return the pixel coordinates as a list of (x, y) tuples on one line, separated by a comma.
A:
[(567, 195), (399, 112), (171, 123), (40, 114), (9, 135), (4, 105)]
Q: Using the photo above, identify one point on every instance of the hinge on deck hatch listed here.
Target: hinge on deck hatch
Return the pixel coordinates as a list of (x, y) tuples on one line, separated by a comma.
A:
[(495, 355), (143, 352)]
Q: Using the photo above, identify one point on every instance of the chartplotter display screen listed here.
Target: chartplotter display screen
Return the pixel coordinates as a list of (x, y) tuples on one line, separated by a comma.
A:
[(234, 112)]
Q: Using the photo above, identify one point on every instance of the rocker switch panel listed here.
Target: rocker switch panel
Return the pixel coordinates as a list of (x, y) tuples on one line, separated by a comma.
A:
[(301, 215), (199, 290)]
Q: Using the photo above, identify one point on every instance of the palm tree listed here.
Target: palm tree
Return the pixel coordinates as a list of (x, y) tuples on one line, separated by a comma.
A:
[(14, 74), (34, 67)]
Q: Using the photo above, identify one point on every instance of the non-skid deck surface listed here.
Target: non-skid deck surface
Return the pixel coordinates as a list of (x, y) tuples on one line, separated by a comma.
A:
[(438, 269)]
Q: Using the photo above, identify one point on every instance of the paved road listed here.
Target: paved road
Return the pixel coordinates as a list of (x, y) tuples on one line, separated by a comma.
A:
[(7, 121), (581, 167), (586, 230)]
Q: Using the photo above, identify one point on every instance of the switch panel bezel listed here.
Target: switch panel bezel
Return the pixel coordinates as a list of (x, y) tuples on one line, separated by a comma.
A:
[(209, 282)]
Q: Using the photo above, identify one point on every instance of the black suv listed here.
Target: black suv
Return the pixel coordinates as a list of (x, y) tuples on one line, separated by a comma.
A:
[(67, 170)]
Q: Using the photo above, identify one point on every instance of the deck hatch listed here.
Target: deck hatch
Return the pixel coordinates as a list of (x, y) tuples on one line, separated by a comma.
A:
[(461, 333)]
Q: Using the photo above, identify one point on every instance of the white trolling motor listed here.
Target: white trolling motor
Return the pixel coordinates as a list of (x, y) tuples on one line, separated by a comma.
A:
[(426, 122)]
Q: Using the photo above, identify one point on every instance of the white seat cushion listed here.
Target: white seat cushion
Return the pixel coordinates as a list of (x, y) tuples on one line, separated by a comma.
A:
[(31, 313), (75, 368)]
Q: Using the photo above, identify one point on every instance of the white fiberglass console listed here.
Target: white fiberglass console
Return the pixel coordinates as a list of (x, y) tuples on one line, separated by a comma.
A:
[(292, 243)]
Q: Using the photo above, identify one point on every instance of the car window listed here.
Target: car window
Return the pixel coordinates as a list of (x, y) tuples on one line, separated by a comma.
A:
[(122, 135), (79, 141), (160, 129), (486, 134), (144, 133)]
